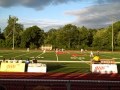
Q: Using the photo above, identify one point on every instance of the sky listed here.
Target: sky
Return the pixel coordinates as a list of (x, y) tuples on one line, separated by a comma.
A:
[(49, 14)]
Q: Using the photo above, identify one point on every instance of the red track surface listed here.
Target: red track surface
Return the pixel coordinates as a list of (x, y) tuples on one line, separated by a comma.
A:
[(59, 76)]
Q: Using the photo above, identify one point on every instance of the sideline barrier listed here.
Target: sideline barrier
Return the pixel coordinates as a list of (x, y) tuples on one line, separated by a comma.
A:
[(12, 67), (37, 67), (108, 61), (30, 84), (105, 66), (19, 66)]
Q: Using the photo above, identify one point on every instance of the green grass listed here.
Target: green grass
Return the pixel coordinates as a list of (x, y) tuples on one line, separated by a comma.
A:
[(59, 67), (68, 67)]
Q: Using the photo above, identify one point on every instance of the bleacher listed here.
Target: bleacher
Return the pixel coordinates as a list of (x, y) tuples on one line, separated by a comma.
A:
[(59, 81)]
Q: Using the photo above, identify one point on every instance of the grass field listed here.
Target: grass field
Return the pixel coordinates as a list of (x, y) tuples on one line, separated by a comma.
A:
[(76, 64)]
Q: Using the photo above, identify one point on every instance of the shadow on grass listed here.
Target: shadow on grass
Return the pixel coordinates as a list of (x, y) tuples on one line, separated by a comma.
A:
[(118, 67), (58, 67), (52, 67), (77, 70)]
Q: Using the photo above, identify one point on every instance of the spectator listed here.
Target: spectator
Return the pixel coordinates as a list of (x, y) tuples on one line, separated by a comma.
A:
[(96, 59)]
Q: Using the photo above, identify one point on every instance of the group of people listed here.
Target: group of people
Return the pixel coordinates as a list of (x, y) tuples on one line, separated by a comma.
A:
[(94, 56)]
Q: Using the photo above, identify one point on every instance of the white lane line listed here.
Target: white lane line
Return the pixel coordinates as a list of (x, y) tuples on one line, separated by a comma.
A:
[(57, 56), (40, 54), (65, 61)]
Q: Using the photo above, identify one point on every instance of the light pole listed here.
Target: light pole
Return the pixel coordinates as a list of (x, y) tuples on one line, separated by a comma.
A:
[(13, 33), (112, 37)]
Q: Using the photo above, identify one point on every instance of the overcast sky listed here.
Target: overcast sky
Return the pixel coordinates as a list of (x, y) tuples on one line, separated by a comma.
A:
[(55, 13)]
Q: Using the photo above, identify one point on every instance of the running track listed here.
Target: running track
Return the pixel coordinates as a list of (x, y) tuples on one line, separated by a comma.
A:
[(63, 76)]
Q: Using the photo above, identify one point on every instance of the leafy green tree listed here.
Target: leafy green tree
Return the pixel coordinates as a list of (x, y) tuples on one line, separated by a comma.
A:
[(50, 37), (2, 39), (8, 31), (91, 33), (1, 35), (32, 37), (60, 39), (116, 30), (83, 37), (13, 28), (65, 37), (2, 43), (70, 36), (118, 39), (102, 39)]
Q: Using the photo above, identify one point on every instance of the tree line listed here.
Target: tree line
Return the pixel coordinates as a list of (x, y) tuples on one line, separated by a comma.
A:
[(68, 37)]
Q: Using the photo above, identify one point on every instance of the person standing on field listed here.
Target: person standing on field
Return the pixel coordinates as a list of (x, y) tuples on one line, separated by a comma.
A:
[(91, 54)]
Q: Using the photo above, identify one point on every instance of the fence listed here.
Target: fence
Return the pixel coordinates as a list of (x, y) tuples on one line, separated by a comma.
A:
[(30, 84)]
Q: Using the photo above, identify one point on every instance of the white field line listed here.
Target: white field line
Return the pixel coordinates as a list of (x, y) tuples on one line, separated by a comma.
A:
[(64, 61), (22, 55), (115, 58), (82, 60), (85, 62), (56, 56), (71, 61), (117, 62), (40, 55), (75, 67), (68, 61), (44, 61)]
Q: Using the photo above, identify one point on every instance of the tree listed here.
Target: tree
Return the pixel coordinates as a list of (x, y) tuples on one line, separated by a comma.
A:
[(83, 37), (91, 33), (32, 37), (2, 39), (13, 28), (102, 39), (70, 36), (118, 39), (116, 30), (8, 31), (1, 35), (51, 37)]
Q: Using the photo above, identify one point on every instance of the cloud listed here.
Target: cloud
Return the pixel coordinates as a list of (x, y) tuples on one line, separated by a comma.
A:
[(45, 24), (7, 3), (37, 4), (107, 1), (3, 23), (40, 4), (93, 16), (97, 15)]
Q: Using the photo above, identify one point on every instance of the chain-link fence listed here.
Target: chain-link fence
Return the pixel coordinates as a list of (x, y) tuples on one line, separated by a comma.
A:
[(50, 84)]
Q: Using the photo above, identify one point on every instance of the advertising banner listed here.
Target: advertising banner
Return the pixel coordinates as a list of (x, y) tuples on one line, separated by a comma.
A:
[(12, 67), (104, 68), (37, 67)]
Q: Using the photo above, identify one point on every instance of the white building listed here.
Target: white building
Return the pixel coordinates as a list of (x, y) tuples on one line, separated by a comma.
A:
[(46, 47)]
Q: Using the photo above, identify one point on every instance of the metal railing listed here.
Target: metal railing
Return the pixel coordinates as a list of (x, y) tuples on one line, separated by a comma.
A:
[(30, 84)]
